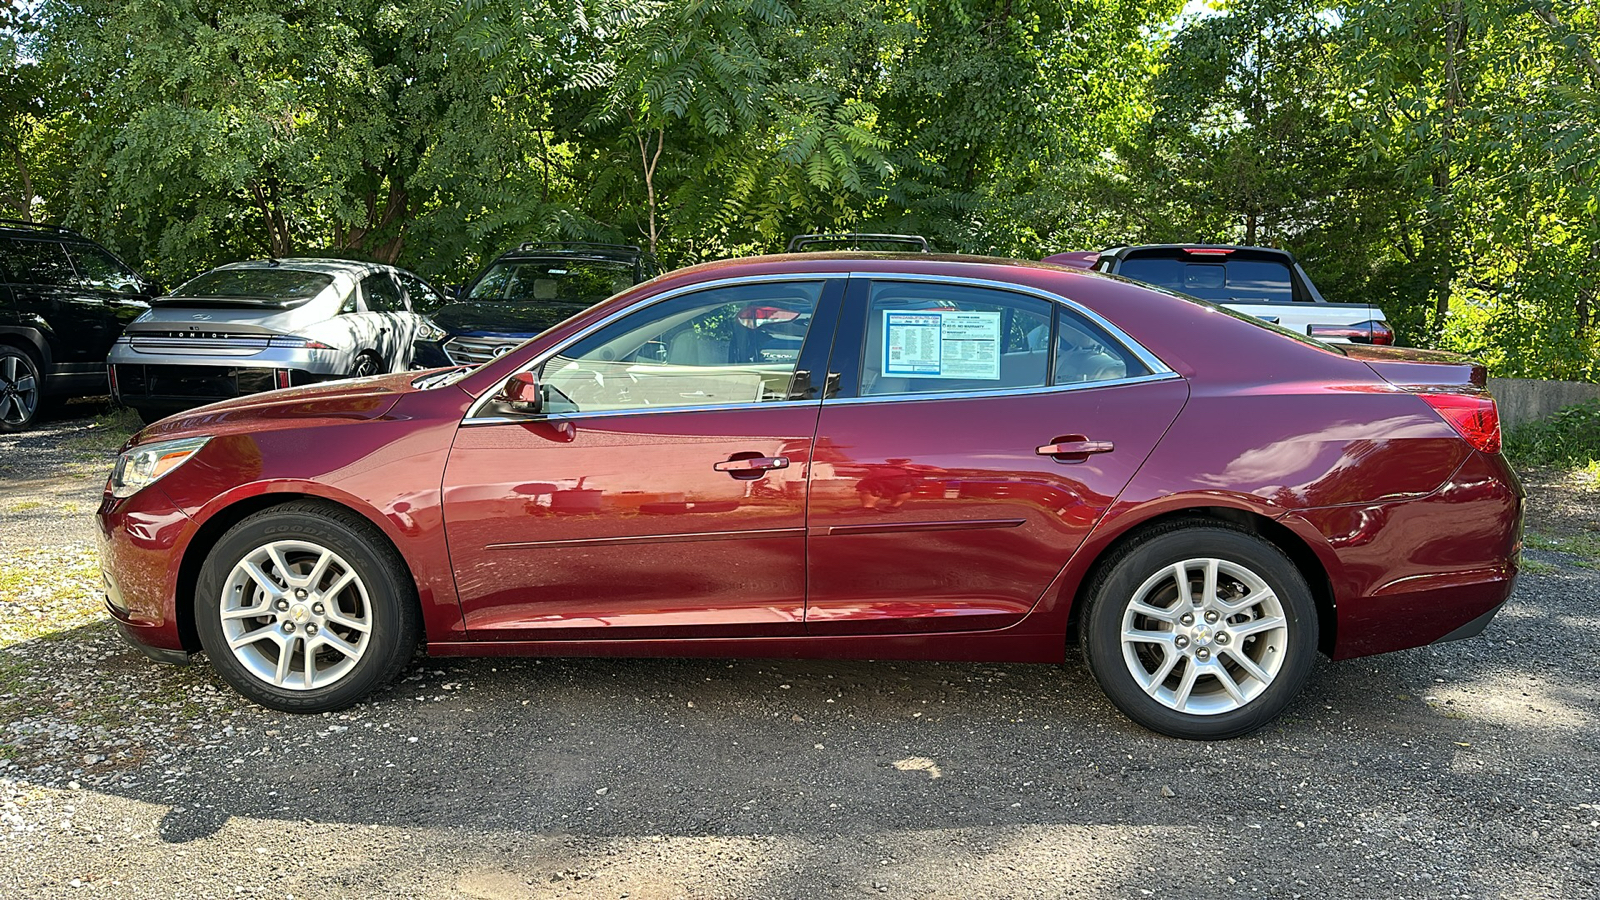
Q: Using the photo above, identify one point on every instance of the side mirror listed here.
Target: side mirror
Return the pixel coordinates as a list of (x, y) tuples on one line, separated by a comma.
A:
[(521, 392)]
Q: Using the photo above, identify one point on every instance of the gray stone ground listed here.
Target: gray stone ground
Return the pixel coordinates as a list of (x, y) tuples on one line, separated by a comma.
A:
[(1466, 770)]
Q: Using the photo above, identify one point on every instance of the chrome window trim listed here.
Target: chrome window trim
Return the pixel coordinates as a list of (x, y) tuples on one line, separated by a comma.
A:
[(1159, 370), (614, 413), (536, 362), (1004, 392)]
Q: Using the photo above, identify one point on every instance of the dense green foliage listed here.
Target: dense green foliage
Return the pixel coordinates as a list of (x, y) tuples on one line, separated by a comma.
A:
[(1439, 158), (1571, 437)]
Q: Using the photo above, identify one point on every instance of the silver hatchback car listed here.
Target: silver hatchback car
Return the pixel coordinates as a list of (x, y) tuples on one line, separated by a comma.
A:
[(267, 324)]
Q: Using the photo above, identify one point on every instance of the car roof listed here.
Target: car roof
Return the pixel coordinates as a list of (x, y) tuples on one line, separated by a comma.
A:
[(38, 231), (311, 264)]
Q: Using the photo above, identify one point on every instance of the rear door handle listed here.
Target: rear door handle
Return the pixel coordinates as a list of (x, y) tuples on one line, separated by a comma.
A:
[(752, 466), (1074, 448)]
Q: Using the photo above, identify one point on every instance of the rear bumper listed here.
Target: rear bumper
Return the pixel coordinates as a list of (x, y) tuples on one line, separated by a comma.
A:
[(1425, 571), (174, 388)]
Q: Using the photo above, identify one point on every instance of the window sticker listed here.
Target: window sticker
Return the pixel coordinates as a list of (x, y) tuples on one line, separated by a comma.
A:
[(941, 343)]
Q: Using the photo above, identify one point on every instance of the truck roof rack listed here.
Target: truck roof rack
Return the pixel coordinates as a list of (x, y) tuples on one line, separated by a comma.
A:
[(644, 265), (802, 242), (40, 226)]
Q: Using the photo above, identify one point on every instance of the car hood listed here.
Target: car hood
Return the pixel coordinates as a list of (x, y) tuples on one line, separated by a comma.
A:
[(500, 317), (359, 398), (166, 319)]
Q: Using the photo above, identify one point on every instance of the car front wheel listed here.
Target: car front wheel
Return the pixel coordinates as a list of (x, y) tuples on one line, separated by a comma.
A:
[(1201, 631), (304, 607)]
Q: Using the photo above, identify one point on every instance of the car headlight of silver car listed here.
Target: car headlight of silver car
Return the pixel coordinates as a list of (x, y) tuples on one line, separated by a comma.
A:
[(139, 467), (428, 331)]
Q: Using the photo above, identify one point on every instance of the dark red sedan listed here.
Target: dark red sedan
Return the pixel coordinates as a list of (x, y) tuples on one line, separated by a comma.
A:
[(838, 455)]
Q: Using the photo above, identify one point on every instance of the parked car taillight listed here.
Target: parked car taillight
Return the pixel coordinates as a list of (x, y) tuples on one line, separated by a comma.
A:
[(298, 343), (1372, 331), (1474, 416)]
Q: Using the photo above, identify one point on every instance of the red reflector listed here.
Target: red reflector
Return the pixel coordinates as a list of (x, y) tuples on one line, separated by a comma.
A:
[(283, 378), (1382, 333), (1473, 416), (1206, 251), (112, 372)]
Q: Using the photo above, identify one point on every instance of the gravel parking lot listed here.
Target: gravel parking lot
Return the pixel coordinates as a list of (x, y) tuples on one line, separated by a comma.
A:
[(1464, 770)]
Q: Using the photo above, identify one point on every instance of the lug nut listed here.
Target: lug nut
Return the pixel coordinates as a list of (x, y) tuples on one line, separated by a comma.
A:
[(1180, 642), (311, 628), (1211, 615), (317, 609), (1222, 637), (282, 605), (288, 628), (1204, 655), (1188, 619), (300, 593)]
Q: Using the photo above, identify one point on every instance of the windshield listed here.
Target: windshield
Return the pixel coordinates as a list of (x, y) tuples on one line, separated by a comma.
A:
[(1217, 280), (581, 281), (267, 287)]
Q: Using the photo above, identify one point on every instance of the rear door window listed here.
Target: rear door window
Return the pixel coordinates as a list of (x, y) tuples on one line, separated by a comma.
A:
[(100, 271), (382, 294), (37, 262)]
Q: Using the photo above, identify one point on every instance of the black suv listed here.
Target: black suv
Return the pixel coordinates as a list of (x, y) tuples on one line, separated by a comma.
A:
[(63, 300), (525, 291)]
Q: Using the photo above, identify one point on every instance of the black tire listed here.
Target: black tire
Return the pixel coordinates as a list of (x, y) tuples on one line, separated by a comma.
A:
[(1218, 714), (21, 389), (367, 364), (389, 602)]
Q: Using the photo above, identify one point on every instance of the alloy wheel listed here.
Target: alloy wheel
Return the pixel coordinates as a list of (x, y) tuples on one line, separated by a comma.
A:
[(19, 390), (296, 615), (1204, 636)]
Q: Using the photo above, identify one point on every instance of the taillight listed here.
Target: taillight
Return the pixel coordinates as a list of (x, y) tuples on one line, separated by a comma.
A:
[(1372, 331), (111, 372), (1473, 416), (283, 378)]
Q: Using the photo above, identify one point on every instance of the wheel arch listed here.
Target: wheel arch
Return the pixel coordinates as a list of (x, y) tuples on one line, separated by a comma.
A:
[(29, 341), (1297, 546), (227, 514)]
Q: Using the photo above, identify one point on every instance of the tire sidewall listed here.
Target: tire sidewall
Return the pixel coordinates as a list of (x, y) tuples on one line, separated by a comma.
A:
[(386, 593), (1102, 643)]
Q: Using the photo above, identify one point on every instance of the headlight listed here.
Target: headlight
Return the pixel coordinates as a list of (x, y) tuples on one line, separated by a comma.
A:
[(428, 331), (144, 465)]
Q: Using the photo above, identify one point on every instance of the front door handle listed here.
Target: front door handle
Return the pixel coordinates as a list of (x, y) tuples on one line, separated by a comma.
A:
[(1074, 448), (751, 466)]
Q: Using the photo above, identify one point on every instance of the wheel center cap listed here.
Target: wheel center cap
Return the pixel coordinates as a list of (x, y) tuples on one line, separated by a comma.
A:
[(1203, 635), (299, 613)]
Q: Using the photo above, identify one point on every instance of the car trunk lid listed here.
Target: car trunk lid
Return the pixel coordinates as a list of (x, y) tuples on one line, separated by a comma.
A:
[(1412, 368)]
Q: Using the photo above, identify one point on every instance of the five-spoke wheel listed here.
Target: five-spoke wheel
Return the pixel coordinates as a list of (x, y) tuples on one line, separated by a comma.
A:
[(305, 607), (19, 389), (1200, 630)]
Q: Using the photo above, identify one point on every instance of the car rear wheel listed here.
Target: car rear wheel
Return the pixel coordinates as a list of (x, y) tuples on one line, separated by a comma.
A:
[(1200, 631), (366, 364), (19, 389), (305, 608)]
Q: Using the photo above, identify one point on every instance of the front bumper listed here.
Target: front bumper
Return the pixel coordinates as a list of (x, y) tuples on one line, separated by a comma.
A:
[(141, 541)]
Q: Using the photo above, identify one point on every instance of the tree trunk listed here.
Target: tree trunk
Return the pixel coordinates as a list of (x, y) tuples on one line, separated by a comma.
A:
[(649, 162), (279, 243), (27, 186), (1444, 229)]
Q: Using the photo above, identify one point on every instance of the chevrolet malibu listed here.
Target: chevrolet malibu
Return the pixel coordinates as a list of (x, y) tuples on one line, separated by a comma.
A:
[(838, 455)]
